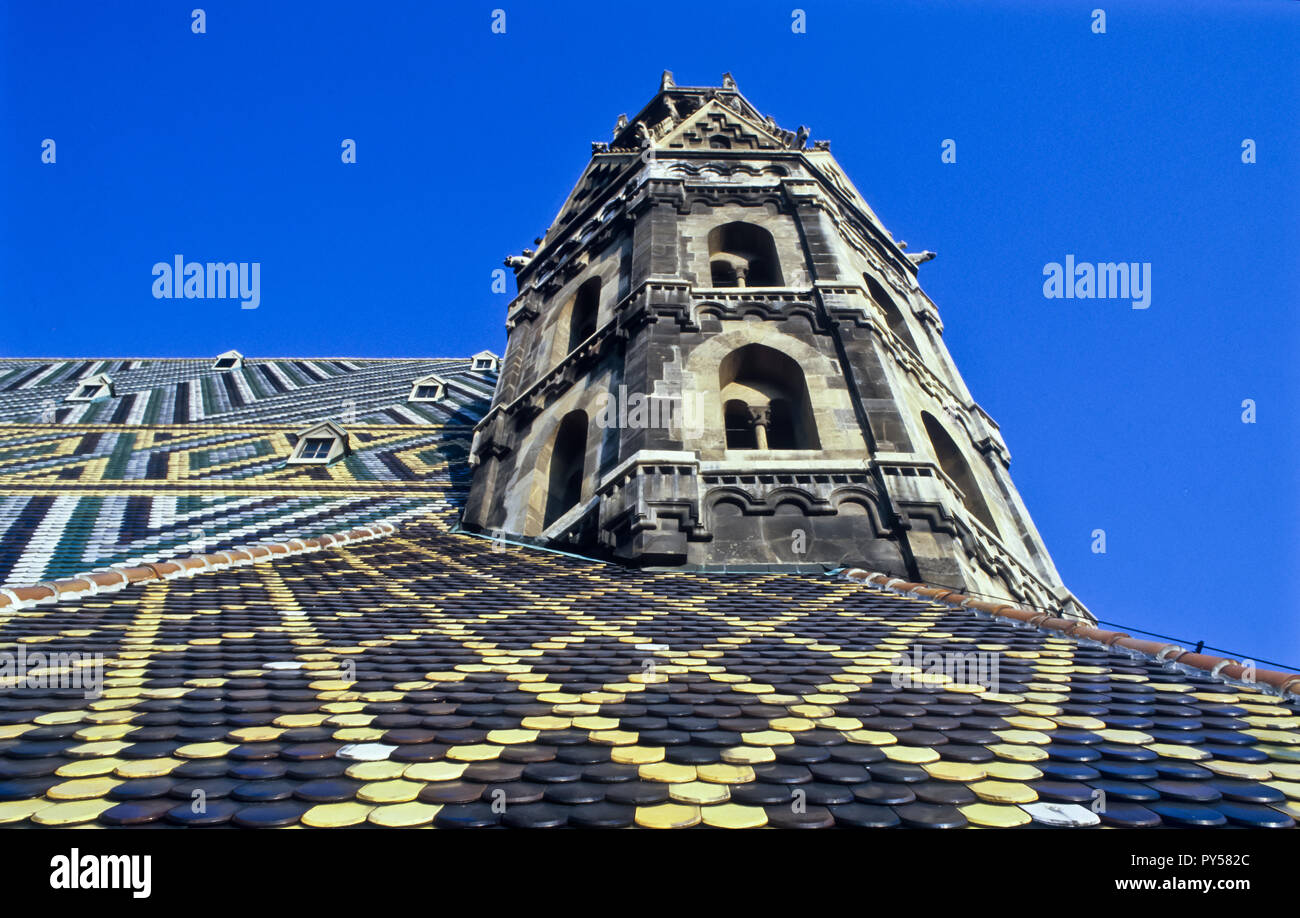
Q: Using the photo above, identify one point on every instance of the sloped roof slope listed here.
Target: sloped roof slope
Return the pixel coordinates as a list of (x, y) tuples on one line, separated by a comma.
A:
[(186, 457), (420, 678)]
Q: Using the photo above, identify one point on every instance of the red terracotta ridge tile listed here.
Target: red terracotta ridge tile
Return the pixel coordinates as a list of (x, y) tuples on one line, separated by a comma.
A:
[(107, 578), (138, 574), (1283, 682), (1089, 633)]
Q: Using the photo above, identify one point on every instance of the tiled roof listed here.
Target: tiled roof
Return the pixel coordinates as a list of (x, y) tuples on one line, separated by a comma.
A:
[(188, 457), (172, 391), (430, 677)]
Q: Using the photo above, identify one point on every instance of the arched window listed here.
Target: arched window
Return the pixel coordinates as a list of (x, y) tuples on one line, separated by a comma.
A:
[(719, 142), (740, 431), (765, 400), (743, 255), (954, 465), (893, 315), (781, 425), (584, 312), (564, 477)]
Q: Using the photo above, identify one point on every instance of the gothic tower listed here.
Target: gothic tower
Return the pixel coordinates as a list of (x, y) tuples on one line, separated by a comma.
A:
[(718, 356)]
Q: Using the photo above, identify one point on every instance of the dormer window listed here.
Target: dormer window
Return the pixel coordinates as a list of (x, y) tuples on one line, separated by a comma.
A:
[(317, 448), (319, 444), (97, 387), (230, 360), (428, 389), (485, 362)]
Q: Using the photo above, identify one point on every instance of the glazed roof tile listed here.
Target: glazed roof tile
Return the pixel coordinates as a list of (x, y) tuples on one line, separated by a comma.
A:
[(397, 673), (187, 457), (283, 391), (434, 678)]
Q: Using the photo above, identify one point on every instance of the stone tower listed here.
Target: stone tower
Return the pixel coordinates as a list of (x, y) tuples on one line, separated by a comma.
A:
[(718, 356)]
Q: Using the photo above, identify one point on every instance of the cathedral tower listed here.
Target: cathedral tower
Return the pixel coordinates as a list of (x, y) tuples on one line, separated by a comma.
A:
[(718, 356)]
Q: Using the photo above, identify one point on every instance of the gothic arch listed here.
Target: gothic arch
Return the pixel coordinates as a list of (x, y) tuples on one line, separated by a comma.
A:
[(765, 400), (953, 463), (584, 312), (743, 255), (565, 466), (894, 317), (821, 375), (529, 501), (577, 320)]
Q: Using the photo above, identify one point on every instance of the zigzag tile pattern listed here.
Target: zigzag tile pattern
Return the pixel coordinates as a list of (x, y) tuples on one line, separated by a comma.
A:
[(284, 392), (187, 459), (73, 499), (434, 679)]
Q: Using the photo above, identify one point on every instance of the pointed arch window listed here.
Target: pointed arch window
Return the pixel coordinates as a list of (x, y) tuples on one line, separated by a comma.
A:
[(954, 465), (739, 425), (565, 475), (584, 313), (743, 255), (894, 317), (765, 401)]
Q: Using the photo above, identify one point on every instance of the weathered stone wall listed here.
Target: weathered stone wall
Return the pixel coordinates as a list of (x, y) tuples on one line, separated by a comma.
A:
[(871, 489)]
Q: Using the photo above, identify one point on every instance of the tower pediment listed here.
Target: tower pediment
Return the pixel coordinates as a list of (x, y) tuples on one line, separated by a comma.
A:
[(717, 126)]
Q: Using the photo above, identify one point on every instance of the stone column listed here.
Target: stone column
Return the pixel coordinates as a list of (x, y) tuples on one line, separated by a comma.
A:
[(759, 419)]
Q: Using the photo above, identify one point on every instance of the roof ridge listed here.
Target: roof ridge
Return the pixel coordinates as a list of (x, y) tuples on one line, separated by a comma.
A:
[(118, 577), (1221, 668)]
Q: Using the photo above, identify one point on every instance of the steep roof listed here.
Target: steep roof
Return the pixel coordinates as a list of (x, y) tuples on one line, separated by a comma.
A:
[(419, 677), (186, 457), (397, 672)]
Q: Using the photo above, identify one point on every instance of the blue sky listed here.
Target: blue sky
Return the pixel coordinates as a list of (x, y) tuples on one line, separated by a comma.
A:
[(1117, 147)]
